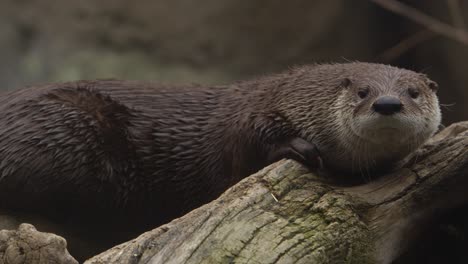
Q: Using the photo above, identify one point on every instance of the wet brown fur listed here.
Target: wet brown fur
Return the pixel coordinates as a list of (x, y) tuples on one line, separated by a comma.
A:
[(113, 155)]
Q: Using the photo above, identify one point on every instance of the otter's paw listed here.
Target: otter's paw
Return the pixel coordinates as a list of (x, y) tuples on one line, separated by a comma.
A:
[(299, 150)]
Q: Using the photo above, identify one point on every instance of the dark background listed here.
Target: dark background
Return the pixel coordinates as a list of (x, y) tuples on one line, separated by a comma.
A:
[(218, 41)]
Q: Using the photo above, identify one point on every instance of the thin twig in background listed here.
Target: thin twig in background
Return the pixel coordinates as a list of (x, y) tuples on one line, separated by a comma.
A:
[(456, 14), (403, 46), (419, 17)]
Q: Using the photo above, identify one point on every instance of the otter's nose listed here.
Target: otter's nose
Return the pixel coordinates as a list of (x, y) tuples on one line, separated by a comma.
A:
[(387, 105)]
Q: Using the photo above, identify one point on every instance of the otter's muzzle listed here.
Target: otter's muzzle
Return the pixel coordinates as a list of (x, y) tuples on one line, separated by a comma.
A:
[(387, 105)]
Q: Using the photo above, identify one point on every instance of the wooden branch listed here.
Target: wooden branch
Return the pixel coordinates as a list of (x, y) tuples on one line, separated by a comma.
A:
[(404, 45), (441, 28), (456, 13), (285, 214)]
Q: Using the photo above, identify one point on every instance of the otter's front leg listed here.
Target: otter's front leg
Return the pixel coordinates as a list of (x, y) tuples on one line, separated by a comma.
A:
[(299, 150)]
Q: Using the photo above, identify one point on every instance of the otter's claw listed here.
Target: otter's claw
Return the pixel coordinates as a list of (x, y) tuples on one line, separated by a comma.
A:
[(299, 150)]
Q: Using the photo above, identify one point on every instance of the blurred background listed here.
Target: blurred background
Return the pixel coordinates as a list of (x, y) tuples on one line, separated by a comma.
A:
[(218, 41)]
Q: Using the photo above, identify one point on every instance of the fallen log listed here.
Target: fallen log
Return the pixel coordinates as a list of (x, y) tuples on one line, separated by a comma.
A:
[(286, 214)]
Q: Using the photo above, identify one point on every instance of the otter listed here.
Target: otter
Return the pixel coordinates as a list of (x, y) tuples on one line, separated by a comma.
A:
[(112, 158)]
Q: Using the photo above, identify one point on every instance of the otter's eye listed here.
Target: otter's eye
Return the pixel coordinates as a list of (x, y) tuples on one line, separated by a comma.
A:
[(413, 92), (363, 93)]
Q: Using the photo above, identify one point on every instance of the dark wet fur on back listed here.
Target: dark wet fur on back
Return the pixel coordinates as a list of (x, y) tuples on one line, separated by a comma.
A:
[(122, 157)]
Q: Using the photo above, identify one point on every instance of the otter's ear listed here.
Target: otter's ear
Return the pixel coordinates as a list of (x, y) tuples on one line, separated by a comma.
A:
[(430, 83), (346, 82), (433, 85)]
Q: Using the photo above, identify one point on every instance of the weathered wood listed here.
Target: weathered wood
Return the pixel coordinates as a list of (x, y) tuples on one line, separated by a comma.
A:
[(285, 214), (27, 245), (247, 224)]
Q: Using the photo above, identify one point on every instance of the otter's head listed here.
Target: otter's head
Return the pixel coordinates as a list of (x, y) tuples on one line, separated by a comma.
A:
[(387, 111)]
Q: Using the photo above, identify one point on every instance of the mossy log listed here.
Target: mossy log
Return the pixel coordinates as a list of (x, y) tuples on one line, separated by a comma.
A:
[(286, 214)]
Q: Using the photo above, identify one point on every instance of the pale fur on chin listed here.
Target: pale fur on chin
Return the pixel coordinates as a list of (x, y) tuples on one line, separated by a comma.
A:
[(329, 111), (380, 139), (398, 129)]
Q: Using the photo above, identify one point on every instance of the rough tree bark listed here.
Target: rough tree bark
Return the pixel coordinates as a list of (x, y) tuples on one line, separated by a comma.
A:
[(27, 245), (285, 214)]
